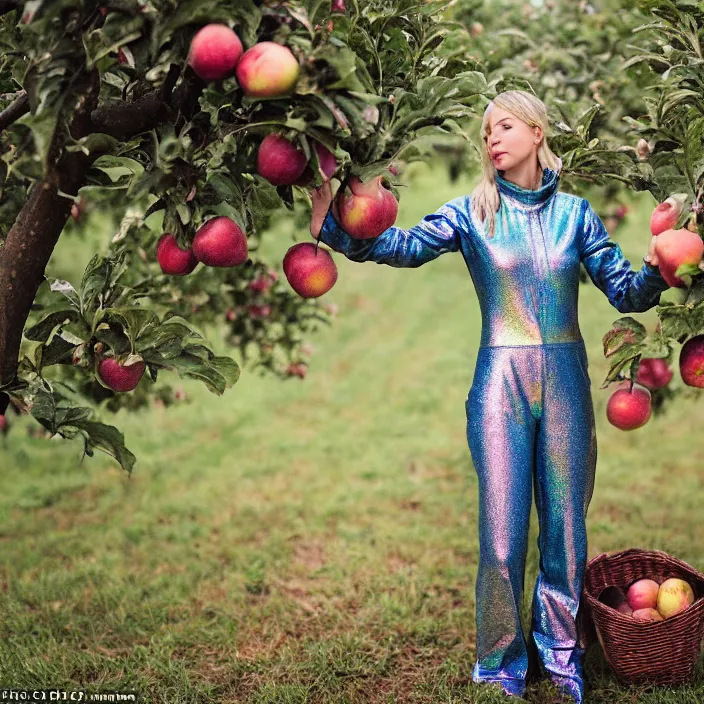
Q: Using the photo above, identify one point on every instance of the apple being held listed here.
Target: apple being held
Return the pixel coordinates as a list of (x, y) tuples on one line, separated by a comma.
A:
[(310, 273), (279, 161), (675, 595), (121, 377), (267, 70), (215, 52), (654, 373), (643, 594), (629, 409), (647, 614), (666, 215), (172, 259), (370, 209), (692, 362), (220, 242), (674, 248)]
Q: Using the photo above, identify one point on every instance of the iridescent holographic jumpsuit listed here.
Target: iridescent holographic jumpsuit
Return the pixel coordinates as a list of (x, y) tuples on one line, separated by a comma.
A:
[(530, 419)]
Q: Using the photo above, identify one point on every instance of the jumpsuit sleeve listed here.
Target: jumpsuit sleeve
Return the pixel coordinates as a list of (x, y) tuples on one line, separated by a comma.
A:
[(436, 234), (628, 291)]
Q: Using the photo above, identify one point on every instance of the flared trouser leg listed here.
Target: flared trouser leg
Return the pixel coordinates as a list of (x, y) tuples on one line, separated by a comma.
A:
[(530, 426), (566, 454)]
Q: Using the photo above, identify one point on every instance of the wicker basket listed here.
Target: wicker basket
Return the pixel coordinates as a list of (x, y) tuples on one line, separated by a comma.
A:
[(658, 652)]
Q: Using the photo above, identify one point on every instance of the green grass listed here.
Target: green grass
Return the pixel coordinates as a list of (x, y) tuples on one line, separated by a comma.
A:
[(314, 541)]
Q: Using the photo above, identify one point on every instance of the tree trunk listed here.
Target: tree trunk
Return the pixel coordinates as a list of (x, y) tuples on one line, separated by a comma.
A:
[(37, 229)]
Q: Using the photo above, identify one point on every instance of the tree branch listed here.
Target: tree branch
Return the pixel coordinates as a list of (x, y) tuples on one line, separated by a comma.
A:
[(123, 120), (19, 107)]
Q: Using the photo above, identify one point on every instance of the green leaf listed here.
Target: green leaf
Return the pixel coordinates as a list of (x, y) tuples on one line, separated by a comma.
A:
[(344, 62), (42, 126), (50, 321), (108, 439), (120, 170), (217, 373), (94, 281), (135, 321)]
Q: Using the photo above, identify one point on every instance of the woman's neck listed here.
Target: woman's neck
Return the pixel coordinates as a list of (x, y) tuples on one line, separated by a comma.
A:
[(526, 176)]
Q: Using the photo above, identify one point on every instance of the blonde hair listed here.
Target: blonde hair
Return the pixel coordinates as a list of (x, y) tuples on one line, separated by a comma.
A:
[(531, 110)]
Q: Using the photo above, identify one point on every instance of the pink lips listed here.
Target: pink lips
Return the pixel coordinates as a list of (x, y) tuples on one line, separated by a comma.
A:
[(496, 156)]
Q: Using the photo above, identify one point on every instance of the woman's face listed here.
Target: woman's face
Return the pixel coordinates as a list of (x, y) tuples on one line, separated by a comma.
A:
[(510, 142)]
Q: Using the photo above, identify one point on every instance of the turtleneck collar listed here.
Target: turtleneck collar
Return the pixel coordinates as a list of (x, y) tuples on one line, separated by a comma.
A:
[(525, 196)]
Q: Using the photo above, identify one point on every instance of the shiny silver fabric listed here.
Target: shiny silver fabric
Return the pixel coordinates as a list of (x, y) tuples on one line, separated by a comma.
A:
[(530, 418)]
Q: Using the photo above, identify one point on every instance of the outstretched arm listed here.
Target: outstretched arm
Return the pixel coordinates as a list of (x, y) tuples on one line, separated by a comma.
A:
[(628, 291), (436, 234)]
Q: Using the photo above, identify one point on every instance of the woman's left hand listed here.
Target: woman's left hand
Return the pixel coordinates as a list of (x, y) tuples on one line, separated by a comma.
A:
[(651, 257)]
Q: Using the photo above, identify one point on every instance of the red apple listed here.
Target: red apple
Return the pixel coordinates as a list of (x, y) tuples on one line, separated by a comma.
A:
[(297, 370), (257, 311), (666, 214), (220, 242), (260, 285), (370, 209), (172, 259), (647, 614), (629, 410), (310, 273), (327, 162), (230, 315), (692, 362), (3, 422), (643, 594), (119, 377), (654, 373), (267, 70), (279, 161), (215, 52), (674, 248)]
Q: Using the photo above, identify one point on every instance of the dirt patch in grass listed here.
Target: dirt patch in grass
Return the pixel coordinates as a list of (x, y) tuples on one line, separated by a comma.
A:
[(310, 554)]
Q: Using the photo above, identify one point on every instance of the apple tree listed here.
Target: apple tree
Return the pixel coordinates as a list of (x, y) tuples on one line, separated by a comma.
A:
[(195, 124), (665, 156)]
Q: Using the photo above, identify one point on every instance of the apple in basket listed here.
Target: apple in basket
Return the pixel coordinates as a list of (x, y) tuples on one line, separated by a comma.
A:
[(643, 594), (674, 595), (647, 615)]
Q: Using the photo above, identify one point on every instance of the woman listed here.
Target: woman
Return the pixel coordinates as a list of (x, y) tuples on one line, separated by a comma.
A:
[(530, 419)]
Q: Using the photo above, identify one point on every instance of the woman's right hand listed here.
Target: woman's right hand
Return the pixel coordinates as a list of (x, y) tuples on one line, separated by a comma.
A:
[(322, 197)]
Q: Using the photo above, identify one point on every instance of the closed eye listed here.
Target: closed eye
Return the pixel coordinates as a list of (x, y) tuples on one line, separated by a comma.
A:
[(508, 127)]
